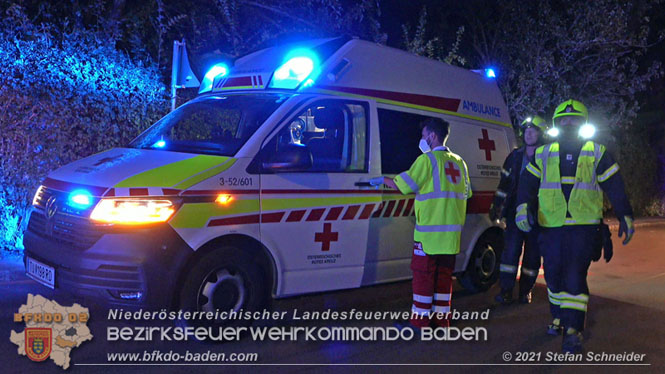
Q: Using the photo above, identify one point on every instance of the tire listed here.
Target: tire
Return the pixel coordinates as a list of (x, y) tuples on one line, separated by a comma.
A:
[(225, 279), (482, 270)]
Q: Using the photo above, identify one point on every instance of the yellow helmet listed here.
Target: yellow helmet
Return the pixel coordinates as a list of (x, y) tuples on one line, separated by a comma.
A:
[(534, 121), (571, 108)]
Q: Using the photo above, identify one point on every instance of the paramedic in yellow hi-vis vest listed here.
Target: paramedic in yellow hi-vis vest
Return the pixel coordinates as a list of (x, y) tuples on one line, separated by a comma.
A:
[(440, 180), (566, 183)]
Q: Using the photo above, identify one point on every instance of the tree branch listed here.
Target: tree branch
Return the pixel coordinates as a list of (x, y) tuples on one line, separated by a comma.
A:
[(280, 12)]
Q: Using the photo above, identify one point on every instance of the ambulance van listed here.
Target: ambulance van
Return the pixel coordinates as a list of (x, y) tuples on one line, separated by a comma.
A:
[(260, 188)]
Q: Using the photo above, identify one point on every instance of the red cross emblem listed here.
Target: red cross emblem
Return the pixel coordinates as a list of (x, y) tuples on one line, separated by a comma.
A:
[(486, 144), (326, 237), (452, 172)]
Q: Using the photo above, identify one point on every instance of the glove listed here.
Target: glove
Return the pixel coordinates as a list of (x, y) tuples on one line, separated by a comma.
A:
[(522, 218), (608, 247), (378, 181), (598, 244), (626, 226), (495, 208)]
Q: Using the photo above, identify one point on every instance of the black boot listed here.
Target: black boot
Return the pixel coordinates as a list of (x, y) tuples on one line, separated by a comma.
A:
[(525, 298), (505, 297), (572, 341)]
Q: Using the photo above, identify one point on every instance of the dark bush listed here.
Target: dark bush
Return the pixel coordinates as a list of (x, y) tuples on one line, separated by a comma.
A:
[(63, 97)]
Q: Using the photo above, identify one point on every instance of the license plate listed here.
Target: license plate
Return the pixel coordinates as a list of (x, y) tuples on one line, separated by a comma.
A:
[(40, 272)]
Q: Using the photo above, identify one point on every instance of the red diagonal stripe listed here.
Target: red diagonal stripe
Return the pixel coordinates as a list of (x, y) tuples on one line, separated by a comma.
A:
[(400, 205), (110, 192), (367, 210), (409, 205), (351, 212), (334, 213), (378, 212), (271, 217), (315, 215), (389, 209), (296, 216)]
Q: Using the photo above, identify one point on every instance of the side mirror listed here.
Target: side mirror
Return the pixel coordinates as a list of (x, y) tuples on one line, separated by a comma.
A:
[(292, 157)]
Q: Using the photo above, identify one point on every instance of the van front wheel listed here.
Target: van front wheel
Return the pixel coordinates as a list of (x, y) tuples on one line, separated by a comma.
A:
[(226, 280), (483, 267)]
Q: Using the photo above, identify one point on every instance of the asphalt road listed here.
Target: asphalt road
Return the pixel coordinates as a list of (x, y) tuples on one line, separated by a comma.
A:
[(627, 314)]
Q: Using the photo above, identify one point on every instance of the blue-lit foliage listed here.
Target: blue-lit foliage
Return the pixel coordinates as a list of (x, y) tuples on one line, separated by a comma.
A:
[(65, 95)]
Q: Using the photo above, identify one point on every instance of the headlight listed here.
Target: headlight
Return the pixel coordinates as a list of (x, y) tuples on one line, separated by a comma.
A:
[(132, 211)]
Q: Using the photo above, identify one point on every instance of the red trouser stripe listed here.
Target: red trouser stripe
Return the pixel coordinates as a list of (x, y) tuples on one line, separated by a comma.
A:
[(432, 274)]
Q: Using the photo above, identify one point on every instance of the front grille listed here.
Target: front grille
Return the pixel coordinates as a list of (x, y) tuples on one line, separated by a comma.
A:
[(67, 226), (107, 276), (43, 194)]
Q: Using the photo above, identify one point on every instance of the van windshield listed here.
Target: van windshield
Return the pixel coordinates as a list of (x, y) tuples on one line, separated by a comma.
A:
[(217, 125)]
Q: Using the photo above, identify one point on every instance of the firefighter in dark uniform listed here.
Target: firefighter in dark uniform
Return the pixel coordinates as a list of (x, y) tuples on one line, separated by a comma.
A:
[(566, 182), (532, 132)]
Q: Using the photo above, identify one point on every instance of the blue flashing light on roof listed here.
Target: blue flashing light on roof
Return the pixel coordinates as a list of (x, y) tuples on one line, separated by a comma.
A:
[(309, 82), (300, 65), (80, 199), (159, 144), (490, 73), (218, 70)]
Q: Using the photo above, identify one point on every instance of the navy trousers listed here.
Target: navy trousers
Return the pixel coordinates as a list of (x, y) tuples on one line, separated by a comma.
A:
[(514, 240), (567, 253)]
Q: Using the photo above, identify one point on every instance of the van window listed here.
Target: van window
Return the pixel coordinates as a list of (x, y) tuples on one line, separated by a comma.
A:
[(334, 132), (400, 135), (217, 125)]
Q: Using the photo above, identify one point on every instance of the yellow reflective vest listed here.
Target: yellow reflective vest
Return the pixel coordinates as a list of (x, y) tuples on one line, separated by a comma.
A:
[(585, 204), (440, 180)]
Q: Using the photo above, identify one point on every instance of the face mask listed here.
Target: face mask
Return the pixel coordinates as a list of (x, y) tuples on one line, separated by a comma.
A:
[(424, 147)]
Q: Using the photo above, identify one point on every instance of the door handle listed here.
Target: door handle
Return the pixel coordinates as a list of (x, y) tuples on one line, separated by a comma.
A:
[(364, 184)]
